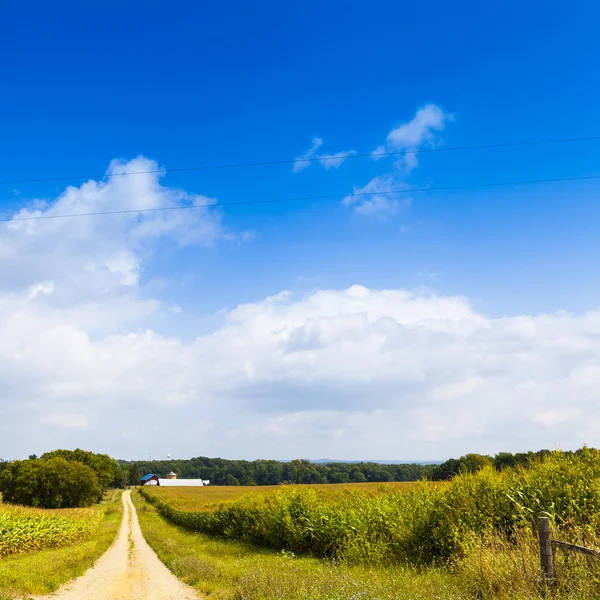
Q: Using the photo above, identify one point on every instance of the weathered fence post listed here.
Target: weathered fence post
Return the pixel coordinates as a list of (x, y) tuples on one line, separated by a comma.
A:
[(546, 558)]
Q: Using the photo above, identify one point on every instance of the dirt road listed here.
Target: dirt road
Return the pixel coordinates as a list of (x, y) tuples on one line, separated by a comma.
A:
[(129, 570)]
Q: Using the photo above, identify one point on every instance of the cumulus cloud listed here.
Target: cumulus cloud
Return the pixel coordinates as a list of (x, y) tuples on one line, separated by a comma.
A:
[(381, 198), (355, 373), (94, 255), (352, 373)]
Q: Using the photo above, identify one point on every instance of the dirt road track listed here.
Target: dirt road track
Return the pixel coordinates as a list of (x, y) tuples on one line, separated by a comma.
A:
[(129, 570)]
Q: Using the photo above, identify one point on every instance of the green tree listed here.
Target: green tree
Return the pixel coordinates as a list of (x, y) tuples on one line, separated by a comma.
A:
[(357, 476), (446, 470), (471, 463), (106, 468), (51, 483), (134, 475), (232, 480)]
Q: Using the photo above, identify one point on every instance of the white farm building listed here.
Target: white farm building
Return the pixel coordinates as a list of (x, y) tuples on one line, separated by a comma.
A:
[(172, 481)]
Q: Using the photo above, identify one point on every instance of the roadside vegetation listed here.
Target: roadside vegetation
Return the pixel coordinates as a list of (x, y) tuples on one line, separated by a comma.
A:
[(489, 568), (472, 537), (235, 570), (42, 558), (425, 524)]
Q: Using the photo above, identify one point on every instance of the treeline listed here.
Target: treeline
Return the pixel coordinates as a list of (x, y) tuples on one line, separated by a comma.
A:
[(471, 463), (221, 471)]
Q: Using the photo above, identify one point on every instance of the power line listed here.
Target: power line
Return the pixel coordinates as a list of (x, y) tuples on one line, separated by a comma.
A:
[(314, 159), (304, 198)]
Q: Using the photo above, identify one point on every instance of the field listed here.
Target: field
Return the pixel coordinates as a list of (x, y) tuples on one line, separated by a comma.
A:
[(30, 529), (489, 566), (27, 529), (205, 498), (472, 537)]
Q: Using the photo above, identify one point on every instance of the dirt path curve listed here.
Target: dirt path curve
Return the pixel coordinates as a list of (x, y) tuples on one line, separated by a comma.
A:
[(128, 570)]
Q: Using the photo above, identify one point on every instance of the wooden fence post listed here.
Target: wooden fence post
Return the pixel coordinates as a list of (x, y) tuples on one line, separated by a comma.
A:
[(546, 557)]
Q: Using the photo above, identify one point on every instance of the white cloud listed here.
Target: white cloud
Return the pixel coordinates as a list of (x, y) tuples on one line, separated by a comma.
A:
[(333, 161), (380, 198), (327, 161), (420, 129), (303, 161), (406, 139), (379, 153), (352, 373)]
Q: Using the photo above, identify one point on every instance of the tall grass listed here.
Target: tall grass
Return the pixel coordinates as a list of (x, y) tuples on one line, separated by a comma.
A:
[(424, 525)]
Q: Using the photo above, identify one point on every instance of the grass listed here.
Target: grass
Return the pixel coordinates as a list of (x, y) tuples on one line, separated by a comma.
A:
[(205, 498), (43, 572), (490, 567), (234, 570)]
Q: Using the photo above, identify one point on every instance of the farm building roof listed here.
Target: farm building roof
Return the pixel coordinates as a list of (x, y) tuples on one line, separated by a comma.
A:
[(146, 477), (183, 482)]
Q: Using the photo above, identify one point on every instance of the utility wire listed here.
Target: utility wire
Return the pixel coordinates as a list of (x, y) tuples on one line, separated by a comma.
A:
[(303, 199), (300, 159)]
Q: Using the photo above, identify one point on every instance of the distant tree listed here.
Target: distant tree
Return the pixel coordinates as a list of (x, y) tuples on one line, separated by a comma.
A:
[(272, 472), (357, 476), (106, 468), (504, 460), (134, 476), (51, 483), (122, 478), (446, 470), (32, 457), (471, 463), (338, 476), (376, 472), (231, 480)]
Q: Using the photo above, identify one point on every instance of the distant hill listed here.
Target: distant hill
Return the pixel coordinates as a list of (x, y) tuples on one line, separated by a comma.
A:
[(328, 461)]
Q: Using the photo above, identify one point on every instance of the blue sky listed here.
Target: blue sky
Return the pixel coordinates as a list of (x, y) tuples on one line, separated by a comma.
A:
[(207, 85)]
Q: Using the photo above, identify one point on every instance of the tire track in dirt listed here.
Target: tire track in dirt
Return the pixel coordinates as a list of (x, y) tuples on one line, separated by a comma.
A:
[(128, 570)]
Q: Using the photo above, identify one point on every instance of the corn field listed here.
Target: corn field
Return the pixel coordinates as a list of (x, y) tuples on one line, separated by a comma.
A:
[(423, 525), (30, 529)]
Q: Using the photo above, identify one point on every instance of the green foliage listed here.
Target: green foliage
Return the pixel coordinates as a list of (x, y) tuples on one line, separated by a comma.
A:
[(50, 483), (106, 469), (272, 472), (134, 475), (423, 525)]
